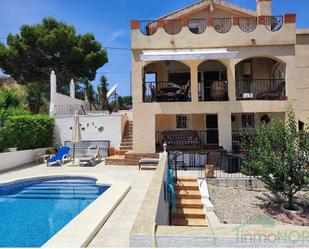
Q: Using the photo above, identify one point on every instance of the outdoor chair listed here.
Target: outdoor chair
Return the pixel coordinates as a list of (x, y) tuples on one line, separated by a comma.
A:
[(93, 154), (62, 154)]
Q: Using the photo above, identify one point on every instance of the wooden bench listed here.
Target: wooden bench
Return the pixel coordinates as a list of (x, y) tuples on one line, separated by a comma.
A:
[(147, 161)]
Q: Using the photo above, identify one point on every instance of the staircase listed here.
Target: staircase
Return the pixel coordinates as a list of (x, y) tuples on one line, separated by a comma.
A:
[(127, 139), (190, 210)]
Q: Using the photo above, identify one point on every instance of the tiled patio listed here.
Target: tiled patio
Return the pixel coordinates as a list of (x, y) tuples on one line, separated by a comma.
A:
[(115, 232)]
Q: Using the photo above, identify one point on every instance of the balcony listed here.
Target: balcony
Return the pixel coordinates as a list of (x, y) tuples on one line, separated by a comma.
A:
[(188, 140), (261, 89), (266, 30), (166, 92)]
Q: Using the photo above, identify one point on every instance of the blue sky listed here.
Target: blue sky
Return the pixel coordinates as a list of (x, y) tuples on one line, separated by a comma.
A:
[(109, 21)]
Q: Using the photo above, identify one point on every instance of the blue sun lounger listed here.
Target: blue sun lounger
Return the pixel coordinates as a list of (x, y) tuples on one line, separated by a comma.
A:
[(60, 156)]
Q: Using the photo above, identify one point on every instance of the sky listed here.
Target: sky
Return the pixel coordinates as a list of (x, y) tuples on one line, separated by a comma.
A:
[(109, 21)]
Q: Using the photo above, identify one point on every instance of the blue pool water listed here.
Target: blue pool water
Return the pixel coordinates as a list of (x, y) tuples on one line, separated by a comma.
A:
[(33, 211)]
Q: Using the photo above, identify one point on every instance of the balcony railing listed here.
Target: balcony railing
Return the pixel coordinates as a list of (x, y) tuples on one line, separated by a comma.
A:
[(188, 140), (261, 89), (221, 25), (213, 91), (166, 92)]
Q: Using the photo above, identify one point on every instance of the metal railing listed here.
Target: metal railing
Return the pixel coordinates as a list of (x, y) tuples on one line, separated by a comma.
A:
[(273, 23), (237, 136), (148, 27), (247, 24), (188, 140), (260, 89), (221, 25), (213, 91), (70, 109), (172, 27), (197, 26), (164, 91)]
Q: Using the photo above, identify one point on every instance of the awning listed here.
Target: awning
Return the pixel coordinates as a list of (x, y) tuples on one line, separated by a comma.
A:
[(187, 54)]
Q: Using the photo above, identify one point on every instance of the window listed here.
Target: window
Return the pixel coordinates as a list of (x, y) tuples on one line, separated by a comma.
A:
[(181, 122), (247, 120)]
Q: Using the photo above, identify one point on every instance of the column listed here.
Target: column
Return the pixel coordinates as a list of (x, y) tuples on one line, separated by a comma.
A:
[(72, 89), (231, 81), (194, 81), (53, 89), (225, 130), (137, 80)]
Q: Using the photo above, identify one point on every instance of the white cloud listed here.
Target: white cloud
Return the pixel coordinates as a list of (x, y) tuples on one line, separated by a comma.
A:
[(117, 34)]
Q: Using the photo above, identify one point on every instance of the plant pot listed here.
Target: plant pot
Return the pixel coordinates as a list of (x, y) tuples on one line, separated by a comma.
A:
[(209, 171), (13, 149), (298, 209)]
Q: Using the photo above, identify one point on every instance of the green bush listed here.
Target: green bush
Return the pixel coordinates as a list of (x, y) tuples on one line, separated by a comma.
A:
[(12, 111), (9, 98), (27, 132)]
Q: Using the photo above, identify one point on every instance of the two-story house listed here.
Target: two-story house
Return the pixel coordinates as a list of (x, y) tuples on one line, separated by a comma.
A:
[(207, 71)]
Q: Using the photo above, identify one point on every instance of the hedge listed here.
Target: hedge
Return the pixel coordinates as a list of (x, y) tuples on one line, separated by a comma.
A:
[(27, 132)]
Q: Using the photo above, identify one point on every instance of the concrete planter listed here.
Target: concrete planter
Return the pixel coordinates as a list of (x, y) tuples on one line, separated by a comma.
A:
[(284, 208)]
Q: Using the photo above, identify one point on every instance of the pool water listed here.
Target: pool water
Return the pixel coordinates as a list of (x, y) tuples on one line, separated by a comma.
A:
[(33, 211)]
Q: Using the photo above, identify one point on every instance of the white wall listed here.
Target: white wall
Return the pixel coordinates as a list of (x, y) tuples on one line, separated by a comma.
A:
[(9, 160), (113, 127)]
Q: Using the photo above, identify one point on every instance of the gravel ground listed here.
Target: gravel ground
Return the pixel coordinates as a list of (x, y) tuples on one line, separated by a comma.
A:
[(237, 205)]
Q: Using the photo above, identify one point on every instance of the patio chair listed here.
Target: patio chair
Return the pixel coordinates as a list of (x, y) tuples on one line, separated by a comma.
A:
[(93, 154), (62, 154)]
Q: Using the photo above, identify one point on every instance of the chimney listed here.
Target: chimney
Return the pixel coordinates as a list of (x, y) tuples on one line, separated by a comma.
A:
[(263, 7)]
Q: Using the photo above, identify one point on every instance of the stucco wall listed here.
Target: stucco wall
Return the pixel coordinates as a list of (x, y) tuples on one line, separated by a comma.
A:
[(302, 70), (145, 113), (113, 128), (10, 160)]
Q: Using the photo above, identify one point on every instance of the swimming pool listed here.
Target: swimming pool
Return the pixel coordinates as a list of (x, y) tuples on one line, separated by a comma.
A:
[(33, 211)]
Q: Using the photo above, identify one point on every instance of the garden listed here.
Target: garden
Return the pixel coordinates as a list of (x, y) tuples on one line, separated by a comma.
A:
[(279, 155)]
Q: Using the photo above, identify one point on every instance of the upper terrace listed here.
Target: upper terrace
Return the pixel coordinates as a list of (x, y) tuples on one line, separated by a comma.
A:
[(231, 31), (215, 23)]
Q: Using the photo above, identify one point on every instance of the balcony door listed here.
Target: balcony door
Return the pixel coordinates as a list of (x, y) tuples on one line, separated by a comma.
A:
[(212, 129)]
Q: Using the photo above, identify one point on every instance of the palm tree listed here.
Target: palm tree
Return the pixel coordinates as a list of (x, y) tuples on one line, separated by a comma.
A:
[(102, 93)]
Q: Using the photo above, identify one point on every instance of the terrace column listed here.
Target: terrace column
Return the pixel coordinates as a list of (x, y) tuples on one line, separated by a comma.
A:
[(194, 80), (225, 130), (137, 79), (231, 81)]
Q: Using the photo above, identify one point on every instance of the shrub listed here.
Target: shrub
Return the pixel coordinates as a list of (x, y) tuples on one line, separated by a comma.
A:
[(9, 98), (12, 111), (279, 154), (28, 132)]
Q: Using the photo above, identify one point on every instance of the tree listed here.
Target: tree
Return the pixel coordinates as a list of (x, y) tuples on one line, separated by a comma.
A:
[(102, 93), (89, 94), (34, 99), (29, 57), (279, 154)]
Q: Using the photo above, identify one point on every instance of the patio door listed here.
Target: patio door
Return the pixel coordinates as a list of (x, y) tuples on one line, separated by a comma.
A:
[(212, 129)]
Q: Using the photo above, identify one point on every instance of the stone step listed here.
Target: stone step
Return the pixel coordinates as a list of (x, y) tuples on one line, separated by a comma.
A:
[(125, 140), (189, 203), (125, 147), (190, 213), (126, 143), (187, 185), (187, 179), (189, 222), (188, 194)]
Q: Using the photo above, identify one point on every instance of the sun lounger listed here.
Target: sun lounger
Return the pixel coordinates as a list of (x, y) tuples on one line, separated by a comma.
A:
[(148, 161), (59, 157), (93, 154)]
